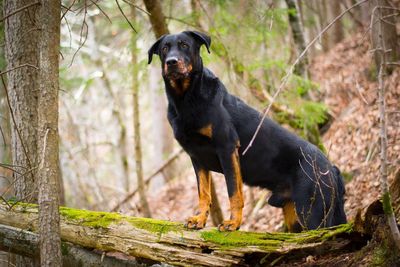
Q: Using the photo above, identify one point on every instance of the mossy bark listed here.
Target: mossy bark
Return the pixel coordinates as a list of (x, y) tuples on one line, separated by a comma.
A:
[(170, 242)]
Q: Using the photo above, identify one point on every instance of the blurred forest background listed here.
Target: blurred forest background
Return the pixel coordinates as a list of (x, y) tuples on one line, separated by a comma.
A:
[(330, 99)]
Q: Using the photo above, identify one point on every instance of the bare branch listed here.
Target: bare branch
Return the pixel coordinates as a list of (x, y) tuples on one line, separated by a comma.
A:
[(67, 9), (123, 14), (18, 67), (148, 179), (101, 10), (12, 113), (19, 10), (137, 7)]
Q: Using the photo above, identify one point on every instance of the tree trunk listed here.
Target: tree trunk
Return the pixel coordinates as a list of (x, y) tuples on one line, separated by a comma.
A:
[(157, 18), (323, 21), (160, 27), (170, 242), (49, 170), (26, 243), (136, 124), (5, 130), (21, 47), (301, 68), (215, 210), (382, 46), (383, 17), (337, 33), (21, 35)]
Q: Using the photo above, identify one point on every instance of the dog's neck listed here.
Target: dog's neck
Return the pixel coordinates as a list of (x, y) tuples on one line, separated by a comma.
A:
[(181, 91)]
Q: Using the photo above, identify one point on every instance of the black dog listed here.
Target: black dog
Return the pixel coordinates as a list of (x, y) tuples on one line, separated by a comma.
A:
[(211, 125)]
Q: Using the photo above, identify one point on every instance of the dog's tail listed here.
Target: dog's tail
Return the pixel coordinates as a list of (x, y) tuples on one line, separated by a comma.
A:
[(339, 216)]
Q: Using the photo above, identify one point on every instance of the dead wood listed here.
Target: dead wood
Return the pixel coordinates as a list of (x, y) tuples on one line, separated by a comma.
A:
[(170, 242)]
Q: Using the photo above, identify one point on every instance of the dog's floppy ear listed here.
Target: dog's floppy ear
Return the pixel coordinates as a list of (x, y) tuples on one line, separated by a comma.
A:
[(201, 38), (154, 49)]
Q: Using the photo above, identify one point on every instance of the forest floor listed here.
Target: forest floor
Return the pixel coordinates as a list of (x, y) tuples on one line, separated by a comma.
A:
[(348, 86)]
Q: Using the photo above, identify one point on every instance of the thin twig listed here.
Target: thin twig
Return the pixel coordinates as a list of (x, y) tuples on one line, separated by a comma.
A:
[(12, 114), (3, 136), (123, 14), (148, 179), (18, 10), (290, 72), (18, 67), (81, 43), (102, 11), (67, 10), (137, 7)]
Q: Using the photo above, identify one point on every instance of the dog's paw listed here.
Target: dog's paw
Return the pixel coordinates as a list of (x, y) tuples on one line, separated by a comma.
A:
[(196, 222), (229, 225)]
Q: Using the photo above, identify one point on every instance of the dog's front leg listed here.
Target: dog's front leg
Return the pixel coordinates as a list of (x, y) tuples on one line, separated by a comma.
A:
[(204, 190), (231, 167)]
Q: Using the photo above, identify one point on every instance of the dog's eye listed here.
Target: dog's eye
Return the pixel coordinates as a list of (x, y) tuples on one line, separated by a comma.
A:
[(183, 45), (165, 49)]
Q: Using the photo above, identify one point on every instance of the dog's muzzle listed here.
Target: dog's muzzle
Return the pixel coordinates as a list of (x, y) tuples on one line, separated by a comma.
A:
[(175, 68)]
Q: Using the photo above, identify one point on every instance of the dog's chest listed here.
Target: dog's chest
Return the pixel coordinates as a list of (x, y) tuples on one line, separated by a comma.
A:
[(195, 137)]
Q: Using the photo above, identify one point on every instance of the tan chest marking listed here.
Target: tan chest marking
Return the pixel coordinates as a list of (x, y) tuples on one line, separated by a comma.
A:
[(206, 131)]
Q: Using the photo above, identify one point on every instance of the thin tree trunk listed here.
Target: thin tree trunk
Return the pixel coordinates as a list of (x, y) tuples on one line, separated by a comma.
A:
[(136, 123), (381, 55), (49, 170), (5, 130), (323, 21), (215, 210), (298, 37), (337, 34), (160, 27), (387, 28)]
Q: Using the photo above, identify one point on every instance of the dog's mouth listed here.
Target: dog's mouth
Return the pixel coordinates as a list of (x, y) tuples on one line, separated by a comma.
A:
[(178, 71)]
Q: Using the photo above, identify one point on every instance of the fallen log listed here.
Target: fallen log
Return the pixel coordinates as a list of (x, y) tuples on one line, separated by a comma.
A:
[(170, 242), (26, 243)]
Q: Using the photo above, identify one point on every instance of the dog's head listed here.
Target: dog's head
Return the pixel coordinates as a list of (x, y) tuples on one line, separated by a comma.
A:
[(179, 53)]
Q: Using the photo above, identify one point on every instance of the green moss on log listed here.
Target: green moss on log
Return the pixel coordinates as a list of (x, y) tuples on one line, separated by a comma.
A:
[(155, 226), (273, 240), (268, 241), (96, 219)]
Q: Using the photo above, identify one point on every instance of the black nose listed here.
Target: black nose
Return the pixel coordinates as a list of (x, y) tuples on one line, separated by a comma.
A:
[(171, 61)]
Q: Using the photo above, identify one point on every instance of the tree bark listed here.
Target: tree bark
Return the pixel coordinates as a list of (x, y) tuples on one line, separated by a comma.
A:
[(382, 17), (337, 34), (21, 36), (381, 45), (49, 170), (298, 37), (323, 21), (160, 27), (22, 242), (215, 210), (21, 47), (157, 18), (170, 242), (136, 124)]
